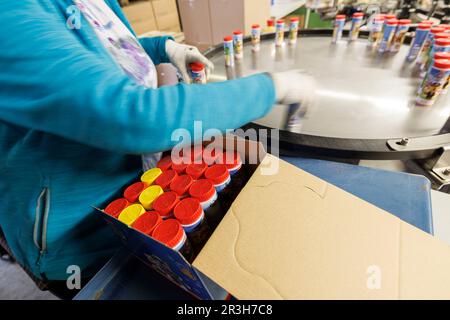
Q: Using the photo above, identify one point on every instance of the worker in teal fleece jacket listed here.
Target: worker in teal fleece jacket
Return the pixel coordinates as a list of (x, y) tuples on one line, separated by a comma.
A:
[(78, 105)]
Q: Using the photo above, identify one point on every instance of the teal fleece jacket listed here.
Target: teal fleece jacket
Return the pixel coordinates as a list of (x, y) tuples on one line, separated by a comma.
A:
[(72, 125)]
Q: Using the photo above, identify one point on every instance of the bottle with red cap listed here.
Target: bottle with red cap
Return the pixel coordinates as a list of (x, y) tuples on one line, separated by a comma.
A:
[(375, 30), (425, 50), (203, 190), (190, 214), (400, 34), (165, 163), (279, 33), (338, 27), (147, 222), (270, 26), (443, 56), (116, 207), (441, 44), (356, 25), (171, 233), (218, 174), (238, 42), (197, 72), (388, 35), (181, 184), (133, 192), (196, 170), (256, 37), (165, 179), (228, 49), (420, 36), (239, 176), (433, 83), (293, 30), (165, 204)]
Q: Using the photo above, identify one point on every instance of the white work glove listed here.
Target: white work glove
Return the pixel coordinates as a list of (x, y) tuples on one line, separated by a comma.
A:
[(181, 55), (293, 87)]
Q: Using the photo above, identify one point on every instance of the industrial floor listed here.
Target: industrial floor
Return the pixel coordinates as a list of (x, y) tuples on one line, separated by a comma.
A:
[(16, 285)]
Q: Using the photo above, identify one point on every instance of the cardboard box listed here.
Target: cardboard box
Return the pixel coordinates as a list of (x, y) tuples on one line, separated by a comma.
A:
[(291, 235), (141, 16), (206, 22), (196, 22), (166, 15)]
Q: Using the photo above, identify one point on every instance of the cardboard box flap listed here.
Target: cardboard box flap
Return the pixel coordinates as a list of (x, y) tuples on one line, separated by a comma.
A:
[(293, 236), (424, 266)]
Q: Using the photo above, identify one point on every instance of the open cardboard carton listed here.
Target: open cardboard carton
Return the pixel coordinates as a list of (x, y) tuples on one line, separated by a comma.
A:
[(291, 235)]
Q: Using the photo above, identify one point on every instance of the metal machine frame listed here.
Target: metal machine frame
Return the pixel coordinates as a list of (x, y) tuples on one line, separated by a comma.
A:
[(432, 153)]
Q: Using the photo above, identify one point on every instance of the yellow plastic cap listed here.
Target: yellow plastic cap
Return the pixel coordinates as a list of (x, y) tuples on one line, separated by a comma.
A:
[(131, 213), (149, 195), (150, 176)]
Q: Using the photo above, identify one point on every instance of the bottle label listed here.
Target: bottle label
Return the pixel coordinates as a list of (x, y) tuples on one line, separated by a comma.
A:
[(386, 41), (354, 30), (399, 37), (417, 43), (432, 85), (337, 31), (229, 53)]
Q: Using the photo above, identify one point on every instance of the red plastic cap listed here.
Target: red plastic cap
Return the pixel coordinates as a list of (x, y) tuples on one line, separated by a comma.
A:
[(340, 17), (196, 170), (444, 42), (442, 64), (390, 16), (237, 32), (165, 203), (436, 30), (165, 163), (424, 26), (441, 35), (442, 55), (195, 153), (197, 66), (180, 168), (170, 232), (211, 156), (358, 14), (202, 189), (228, 38), (147, 222), (445, 26), (392, 22), (404, 21), (132, 192), (256, 26), (188, 211), (295, 19), (280, 21), (231, 159), (116, 207), (217, 173), (165, 179), (270, 23), (181, 184)]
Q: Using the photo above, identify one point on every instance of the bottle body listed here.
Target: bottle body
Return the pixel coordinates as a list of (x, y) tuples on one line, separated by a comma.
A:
[(433, 83), (339, 23), (417, 43)]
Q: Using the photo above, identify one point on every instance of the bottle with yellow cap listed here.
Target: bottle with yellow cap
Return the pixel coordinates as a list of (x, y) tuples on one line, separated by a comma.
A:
[(150, 176), (131, 213), (149, 195)]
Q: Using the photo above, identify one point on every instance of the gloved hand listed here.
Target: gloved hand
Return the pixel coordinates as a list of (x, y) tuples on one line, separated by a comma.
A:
[(181, 55), (293, 87)]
